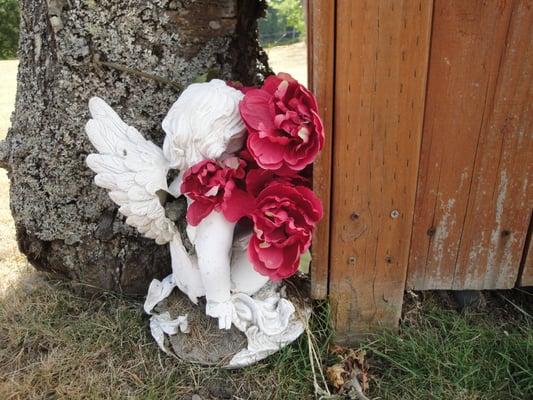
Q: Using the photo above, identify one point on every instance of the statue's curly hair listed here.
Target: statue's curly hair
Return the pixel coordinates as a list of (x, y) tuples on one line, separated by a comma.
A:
[(203, 123)]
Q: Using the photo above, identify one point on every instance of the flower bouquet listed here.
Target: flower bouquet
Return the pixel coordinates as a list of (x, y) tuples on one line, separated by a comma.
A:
[(266, 180)]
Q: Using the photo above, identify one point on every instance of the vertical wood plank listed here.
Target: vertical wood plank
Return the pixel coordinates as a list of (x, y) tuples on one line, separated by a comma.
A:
[(472, 207), (526, 273), (382, 51), (321, 45), (501, 194)]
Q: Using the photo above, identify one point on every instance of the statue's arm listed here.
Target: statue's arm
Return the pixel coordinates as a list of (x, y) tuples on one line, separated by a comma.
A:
[(213, 243)]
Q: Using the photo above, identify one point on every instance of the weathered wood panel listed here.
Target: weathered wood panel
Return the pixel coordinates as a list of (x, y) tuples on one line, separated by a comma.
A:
[(321, 31), (382, 49), (501, 194), (472, 206), (526, 273)]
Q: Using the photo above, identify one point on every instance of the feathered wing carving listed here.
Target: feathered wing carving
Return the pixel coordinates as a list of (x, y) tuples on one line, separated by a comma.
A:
[(132, 168)]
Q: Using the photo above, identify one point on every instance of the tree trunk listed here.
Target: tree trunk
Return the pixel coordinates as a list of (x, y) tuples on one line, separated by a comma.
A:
[(65, 224)]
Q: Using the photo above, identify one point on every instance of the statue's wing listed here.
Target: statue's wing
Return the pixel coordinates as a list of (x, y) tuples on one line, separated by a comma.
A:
[(133, 169)]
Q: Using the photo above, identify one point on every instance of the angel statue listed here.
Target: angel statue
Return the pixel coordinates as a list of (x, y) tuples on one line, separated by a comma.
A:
[(205, 123)]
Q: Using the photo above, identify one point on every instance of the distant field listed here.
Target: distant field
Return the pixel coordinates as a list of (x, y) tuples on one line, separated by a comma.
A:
[(291, 59), (8, 88), (11, 261)]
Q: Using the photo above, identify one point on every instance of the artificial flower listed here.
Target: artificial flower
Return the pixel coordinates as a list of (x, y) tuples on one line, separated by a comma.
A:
[(285, 130), (214, 185), (284, 220)]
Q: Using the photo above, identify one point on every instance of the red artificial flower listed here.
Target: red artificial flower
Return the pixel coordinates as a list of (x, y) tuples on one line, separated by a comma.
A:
[(257, 179), (285, 131), (214, 186), (284, 220)]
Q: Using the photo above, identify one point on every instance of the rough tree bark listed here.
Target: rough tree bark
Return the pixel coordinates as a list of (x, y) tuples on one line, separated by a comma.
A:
[(64, 223)]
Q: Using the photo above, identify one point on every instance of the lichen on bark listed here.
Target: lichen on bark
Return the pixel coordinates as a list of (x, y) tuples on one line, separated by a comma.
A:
[(65, 224)]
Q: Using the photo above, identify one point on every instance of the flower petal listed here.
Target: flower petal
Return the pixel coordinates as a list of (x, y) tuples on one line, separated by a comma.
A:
[(237, 204), (197, 211)]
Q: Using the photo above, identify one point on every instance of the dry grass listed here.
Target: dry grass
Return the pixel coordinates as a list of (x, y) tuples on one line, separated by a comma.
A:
[(55, 344)]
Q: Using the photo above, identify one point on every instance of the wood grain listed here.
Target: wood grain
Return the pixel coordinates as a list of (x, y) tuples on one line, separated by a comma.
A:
[(472, 206), (382, 52), (321, 39), (526, 271), (501, 195)]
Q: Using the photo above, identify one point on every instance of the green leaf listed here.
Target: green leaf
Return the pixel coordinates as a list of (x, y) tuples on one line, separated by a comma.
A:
[(305, 260), (211, 73), (200, 78)]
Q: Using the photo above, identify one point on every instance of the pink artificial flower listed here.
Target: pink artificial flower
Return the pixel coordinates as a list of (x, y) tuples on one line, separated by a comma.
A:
[(215, 186), (284, 220), (285, 131)]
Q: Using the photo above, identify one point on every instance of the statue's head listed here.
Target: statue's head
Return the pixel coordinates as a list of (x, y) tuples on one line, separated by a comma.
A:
[(204, 123)]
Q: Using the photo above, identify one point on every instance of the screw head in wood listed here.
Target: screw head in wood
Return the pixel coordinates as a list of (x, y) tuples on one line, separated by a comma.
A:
[(394, 214), (354, 216), (351, 260), (388, 260)]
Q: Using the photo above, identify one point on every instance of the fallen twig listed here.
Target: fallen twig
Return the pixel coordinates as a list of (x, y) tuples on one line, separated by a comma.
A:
[(515, 305)]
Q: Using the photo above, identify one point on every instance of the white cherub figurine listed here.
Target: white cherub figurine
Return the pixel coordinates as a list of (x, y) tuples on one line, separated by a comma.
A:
[(204, 123)]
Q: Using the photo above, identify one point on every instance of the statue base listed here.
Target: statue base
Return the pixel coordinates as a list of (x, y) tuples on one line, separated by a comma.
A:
[(274, 317)]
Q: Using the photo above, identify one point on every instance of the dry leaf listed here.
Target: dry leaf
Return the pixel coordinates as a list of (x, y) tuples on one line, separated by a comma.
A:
[(357, 356), (336, 349), (335, 375), (363, 378), (351, 366)]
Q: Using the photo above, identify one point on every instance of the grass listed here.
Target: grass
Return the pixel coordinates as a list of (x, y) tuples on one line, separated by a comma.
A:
[(56, 345), (441, 354)]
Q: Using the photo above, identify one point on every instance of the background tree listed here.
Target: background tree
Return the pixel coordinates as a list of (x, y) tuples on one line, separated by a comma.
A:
[(68, 53), (284, 22), (9, 28)]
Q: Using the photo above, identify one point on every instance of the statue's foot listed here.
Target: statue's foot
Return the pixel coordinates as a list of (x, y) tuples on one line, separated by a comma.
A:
[(222, 311)]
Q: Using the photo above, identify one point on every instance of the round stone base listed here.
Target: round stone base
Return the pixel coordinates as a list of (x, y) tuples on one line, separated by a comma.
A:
[(206, 344)]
